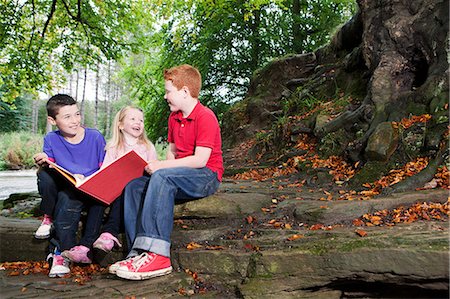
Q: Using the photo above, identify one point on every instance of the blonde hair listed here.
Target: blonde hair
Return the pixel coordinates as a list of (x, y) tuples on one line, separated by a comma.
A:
[(117, 139)]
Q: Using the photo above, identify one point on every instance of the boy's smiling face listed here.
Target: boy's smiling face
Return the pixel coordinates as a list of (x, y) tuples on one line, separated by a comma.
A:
[(174, 96), (68, 120)]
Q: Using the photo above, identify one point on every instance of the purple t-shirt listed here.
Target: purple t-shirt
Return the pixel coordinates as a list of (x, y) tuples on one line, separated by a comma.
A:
[(83, 158)]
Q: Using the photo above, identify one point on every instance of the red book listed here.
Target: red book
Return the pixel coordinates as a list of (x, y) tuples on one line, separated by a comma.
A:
[(108, 183)]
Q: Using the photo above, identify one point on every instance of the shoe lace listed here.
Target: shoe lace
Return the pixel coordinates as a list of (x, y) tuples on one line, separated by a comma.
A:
[(47, 220), (59, 260), (143, 259)]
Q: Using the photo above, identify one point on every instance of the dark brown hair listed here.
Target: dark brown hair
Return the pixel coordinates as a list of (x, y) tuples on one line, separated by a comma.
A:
[(56, 102)]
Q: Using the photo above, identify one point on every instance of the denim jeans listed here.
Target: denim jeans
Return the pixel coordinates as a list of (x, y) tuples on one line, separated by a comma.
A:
[(114, 222), (69, 205), (49, 182), (148, 215)]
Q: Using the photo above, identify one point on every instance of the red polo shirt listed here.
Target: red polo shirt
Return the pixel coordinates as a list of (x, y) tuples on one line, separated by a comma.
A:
[(200, 128)]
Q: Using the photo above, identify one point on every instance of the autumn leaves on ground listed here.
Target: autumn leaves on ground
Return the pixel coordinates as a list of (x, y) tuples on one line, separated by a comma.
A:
[(341, 172), (291, 174)]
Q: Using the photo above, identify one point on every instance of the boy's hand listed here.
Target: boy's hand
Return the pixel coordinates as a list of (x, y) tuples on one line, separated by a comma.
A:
[(40, 158), (153, 165)]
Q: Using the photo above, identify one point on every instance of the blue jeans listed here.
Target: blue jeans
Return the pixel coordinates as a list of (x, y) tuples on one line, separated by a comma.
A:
[(68, 209), (148, 215), (114, 223), (49, 182)]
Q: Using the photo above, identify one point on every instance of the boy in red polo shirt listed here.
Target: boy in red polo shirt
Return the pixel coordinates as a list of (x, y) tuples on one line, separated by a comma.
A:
[(193, 170)]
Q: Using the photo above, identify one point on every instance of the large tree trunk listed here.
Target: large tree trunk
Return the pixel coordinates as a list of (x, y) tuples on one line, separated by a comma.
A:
[(390, 58), (76, 85)]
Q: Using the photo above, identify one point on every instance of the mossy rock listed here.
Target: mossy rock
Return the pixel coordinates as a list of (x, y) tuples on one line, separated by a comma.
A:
[(16, 197), (371, 172), (334, 143)]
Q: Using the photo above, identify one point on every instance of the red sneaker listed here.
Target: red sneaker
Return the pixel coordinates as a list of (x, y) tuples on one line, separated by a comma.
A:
[(113, 268), (147, 265)]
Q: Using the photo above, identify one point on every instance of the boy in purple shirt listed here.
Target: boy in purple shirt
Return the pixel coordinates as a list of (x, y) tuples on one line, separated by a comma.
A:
[(81, 151)]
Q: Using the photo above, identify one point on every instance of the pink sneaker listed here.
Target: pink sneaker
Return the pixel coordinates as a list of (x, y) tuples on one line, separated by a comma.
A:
[(78, 254), (106, 242), (44, 230), (146, 266), (59, 267), (113, 268)]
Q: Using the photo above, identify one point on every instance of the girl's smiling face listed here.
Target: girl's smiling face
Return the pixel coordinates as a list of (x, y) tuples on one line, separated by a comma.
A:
[(133, 123)]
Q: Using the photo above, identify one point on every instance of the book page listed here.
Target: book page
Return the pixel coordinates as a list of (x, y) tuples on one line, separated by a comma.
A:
[(67, 174)]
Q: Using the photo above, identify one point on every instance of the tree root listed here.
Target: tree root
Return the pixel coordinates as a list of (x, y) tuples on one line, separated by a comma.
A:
[(419, 179), (343, 119)]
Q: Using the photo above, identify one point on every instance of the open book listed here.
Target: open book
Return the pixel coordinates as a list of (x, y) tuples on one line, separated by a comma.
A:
[(108, 183)]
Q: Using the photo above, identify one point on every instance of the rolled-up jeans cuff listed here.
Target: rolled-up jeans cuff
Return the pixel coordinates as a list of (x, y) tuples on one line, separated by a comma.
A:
[(157, 246)]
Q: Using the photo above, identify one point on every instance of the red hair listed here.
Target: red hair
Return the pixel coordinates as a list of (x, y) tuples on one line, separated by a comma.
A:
[(185, 75)]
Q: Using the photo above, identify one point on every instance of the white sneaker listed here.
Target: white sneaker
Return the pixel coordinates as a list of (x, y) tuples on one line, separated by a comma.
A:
[(60, 265), (44, 230)]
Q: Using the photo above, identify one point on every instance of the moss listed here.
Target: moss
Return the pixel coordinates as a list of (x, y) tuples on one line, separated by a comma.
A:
[(313, 215), (421, 243), (371, 171), (416, 108), (334, 143), (360, 243)]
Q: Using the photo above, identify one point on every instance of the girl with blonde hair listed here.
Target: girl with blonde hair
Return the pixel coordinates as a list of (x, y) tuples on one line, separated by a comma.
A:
[(128, 134)]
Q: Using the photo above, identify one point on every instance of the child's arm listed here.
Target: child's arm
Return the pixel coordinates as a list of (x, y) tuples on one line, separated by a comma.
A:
[(197, 160), (171, 150)]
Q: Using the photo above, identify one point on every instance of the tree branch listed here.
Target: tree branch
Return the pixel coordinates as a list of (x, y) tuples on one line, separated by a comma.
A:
[(34, 26), (50, 16)]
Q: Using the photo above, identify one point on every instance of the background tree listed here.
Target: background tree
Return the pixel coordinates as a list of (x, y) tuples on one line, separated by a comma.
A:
[(37, 35), (227, 40), (376, 95)]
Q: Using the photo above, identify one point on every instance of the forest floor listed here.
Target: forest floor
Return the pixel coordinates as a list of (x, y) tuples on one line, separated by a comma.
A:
[(270, 232)]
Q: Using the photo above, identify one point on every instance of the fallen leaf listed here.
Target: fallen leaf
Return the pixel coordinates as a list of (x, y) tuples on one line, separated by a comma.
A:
[(316, 226), (295, 237), (361, 232), (193, 245)]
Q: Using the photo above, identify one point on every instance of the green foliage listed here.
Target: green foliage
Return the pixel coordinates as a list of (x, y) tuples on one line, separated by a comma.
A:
[(227, 41), (24, 215), (42, 41), (39, 39), (15, 116), (300, 102), (17, 149), (161, 149)]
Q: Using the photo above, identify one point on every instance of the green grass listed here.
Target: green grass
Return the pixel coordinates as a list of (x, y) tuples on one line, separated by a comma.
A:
[(17, 149)]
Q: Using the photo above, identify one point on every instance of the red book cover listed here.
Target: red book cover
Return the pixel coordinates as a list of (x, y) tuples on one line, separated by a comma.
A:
[(108, 183)]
